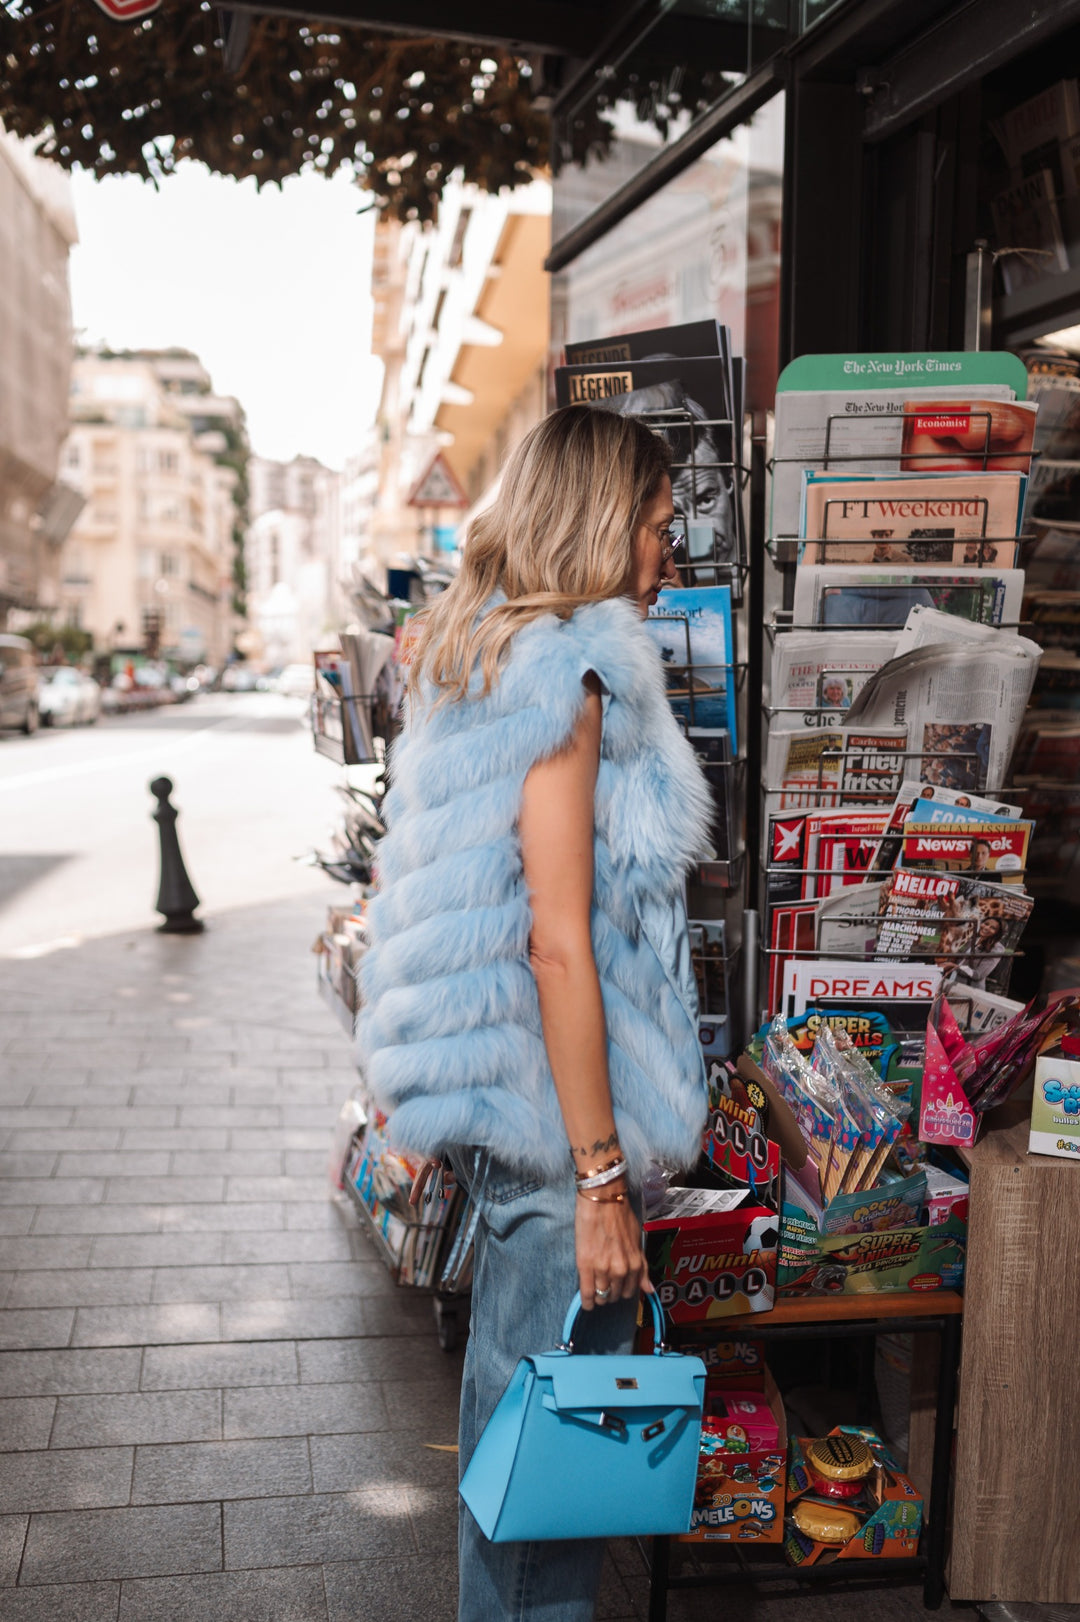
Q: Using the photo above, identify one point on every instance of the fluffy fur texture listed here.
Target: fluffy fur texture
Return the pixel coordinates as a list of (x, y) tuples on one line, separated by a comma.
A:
[(450, 1035)]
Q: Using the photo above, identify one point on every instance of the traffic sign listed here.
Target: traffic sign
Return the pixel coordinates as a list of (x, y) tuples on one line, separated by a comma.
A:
[(439, 486)]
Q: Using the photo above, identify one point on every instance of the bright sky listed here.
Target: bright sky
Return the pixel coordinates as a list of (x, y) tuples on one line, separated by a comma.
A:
[(271, 289)]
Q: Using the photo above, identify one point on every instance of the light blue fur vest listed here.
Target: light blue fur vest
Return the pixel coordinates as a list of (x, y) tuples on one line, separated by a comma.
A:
[(450, 1036)]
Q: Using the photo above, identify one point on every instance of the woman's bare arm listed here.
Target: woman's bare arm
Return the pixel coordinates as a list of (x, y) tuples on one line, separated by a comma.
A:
[(556, 829)]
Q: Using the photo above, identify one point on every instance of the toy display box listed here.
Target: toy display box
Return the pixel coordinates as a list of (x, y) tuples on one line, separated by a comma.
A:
[(740, 1486), (712, 1254), (1055, 1107), (898, 1259), (885, 1516)]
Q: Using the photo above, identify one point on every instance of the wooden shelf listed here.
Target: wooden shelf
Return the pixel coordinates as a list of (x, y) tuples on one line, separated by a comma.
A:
[(848, 1309)]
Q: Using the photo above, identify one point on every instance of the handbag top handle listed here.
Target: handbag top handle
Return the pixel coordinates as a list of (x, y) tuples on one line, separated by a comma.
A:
[(566, 1343)]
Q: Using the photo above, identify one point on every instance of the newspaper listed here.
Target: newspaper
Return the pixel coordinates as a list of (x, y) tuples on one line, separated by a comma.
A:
[(859, 429), (970, 929), (827, 766), (926, 626), (962, 706), (883, 596), (816, 676), (847, 922), (958, 518)]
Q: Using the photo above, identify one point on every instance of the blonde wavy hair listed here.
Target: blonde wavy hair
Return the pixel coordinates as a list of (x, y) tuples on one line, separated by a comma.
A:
[(559, 534)]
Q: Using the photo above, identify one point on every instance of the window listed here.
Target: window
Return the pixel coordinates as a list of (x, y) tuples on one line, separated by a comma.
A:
[(169, 564), (144, 563)]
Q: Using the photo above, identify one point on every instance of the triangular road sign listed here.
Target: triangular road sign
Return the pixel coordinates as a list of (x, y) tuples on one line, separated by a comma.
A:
[(438, 487)]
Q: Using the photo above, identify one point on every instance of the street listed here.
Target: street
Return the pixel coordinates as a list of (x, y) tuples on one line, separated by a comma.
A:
[(78, 848)]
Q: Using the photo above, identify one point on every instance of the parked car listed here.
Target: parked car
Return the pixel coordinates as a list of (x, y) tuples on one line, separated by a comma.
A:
[(68, 697), (238, 679), (297, 681), (18, 684)]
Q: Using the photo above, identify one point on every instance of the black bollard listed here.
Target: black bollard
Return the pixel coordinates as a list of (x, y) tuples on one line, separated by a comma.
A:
[(176, 894)]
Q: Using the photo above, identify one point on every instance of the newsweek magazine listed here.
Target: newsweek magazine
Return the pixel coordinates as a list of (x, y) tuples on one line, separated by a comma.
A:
[(902, 992), (827, 766), (882, 596), (815, 676), (687, 401), (956, 518), (858, 429), (994, 851), (948, 801), (968, 928), (962, 706), (691, 628)]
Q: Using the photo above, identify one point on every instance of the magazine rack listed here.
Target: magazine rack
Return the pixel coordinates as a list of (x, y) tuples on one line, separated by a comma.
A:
[(342, 729)]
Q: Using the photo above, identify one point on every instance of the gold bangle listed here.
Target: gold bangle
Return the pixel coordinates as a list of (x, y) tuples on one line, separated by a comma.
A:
[(595, 1171), (603, 1199)]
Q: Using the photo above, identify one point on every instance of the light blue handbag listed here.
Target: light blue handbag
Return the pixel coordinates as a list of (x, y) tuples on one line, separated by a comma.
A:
[(590, 1446)]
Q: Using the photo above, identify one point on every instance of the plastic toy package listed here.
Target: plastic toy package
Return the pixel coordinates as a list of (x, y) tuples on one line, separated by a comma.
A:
[(847, 1499)]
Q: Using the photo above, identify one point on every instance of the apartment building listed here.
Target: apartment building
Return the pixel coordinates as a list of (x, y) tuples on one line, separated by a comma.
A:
[(292, 554), (149, 562), (37, 230)]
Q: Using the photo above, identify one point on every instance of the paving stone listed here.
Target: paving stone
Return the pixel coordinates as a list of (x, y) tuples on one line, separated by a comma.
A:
[(53, 1191), (61, 1602), (12, 1538), (33, 1163), (35, 1326), (319, 1213), (289, 1320), (391, 1590), (16, 1219), (286, 1137), (157, 1117), (60, 1095), (168, 1190), (146, 1326), (75, 1478), (28, 1374), (25, 1423), (412, 1403), (322, 1245), (230, 1163), (40, 1251), (323, 1115), (308, 1280), (143, 1416), (221, 1218), (21, 1119), (234, 1283), (306, 1162), (275, 1188), (189, 1471), (150, 1093), (157, 1250), (234, 1363), (83, 1287), (315, 1528), (99, 1219), (232, 1596), (433, 1512), (402, 1313), (85, 1139), (399, 1357), (378, 1459), (304, 1410), (104, 1543), (204, 1115), (176, 1137), (121, 1163)]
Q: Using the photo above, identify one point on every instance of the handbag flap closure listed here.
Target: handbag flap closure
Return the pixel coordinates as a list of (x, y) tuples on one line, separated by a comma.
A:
[(583, 1382)]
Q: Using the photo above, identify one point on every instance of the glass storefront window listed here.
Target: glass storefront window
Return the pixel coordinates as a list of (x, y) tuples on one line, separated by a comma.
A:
[(706, 246)]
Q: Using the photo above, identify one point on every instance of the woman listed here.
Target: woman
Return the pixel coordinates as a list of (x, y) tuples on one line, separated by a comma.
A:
[(529, 1001)]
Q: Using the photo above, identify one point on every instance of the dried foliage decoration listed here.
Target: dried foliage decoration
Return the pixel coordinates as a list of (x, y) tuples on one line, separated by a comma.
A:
[(402, 114)]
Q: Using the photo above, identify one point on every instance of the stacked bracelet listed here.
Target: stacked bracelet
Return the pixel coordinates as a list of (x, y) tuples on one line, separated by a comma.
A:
[(607, 1174)]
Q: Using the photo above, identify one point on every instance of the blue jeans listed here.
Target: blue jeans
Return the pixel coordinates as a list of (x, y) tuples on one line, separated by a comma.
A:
[(524, 1276)]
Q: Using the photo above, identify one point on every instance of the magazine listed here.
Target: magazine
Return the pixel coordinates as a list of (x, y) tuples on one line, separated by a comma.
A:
[(1038, 124), (816, 676), (962, 706), (691, 627), (713, 748), (827, 766), (977, 1010), (994, 850), (689, 339), (912, 518), (976, 435), (947, 800), (1053, 490), (857, 427), (901, 992), (847, 922), (1027, 219), (688, 401), (969, 928), (883, 596)]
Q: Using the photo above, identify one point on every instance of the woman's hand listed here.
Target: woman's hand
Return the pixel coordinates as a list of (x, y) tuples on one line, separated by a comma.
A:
[(607, 1239)]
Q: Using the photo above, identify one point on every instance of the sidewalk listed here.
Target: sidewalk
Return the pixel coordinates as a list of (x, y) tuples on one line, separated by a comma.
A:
[(213, 1402)]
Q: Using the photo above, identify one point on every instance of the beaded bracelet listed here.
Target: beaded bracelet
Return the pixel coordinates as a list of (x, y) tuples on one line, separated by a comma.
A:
[(604, 1199), (598, 1179)]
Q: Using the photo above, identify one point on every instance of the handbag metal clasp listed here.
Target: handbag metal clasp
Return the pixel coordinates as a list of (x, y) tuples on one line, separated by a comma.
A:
[(655, 1429), (612, 1422)]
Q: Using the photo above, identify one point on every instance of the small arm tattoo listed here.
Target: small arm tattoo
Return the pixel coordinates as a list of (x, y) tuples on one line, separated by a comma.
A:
[(599, 1147)]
